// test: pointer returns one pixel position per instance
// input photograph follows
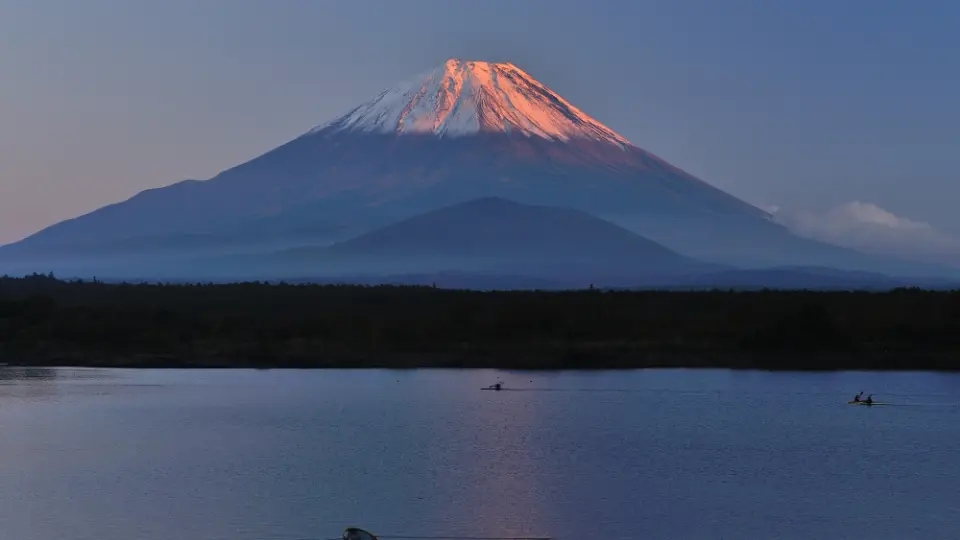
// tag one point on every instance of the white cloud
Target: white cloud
(868, 227)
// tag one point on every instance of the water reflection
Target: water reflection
(37, 383)
(25, 373)
(246, 455)
(28, 383)
(503, 459)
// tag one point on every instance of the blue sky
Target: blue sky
(806, 105)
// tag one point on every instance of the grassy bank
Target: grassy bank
(44, 321)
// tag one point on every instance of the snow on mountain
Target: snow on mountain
(465, 98)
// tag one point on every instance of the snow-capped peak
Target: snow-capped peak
(465, 98)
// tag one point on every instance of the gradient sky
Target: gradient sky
(805, 105)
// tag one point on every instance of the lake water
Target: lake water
(657, 454)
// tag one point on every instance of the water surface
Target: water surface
(91, 454)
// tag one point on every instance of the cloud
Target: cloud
(870, 228)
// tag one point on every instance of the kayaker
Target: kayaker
(856, 398)
(869, 399)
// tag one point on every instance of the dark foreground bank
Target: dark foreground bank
(44, 321)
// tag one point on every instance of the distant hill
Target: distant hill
(491, 243)
(490, 236)
(742, 280)
(496, 227)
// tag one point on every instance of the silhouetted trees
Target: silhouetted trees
(46, 321)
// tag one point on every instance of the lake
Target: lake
(89, 454)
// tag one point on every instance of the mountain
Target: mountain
(495, 234)
(496, 227)
(487, 236)
(461, 131)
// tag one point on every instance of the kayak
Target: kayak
(865, 403)
(488, 388)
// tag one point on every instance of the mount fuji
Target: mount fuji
(462, 131)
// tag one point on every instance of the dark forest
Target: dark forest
(46, 321)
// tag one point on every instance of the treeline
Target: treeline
(45, 321)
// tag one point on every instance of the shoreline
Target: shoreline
(945, 362)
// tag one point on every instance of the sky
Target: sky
(840, 115)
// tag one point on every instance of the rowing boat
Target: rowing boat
(353, 533)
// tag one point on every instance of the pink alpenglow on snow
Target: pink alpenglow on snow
(466, 98)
